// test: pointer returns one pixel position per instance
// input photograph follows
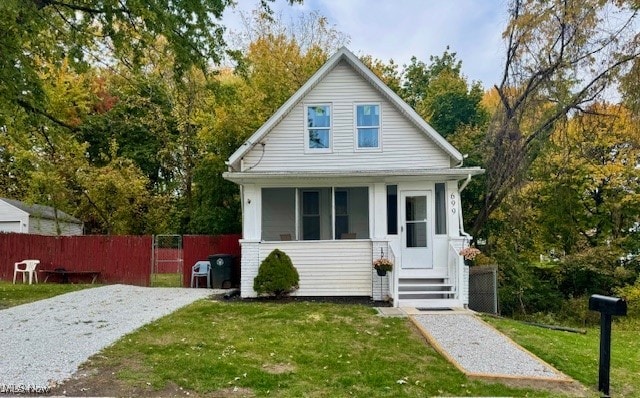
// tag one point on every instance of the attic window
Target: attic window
(368, 126)
(318, 127)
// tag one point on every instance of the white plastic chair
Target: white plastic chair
(199, 270)
(29, 268)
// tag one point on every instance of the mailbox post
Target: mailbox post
(607, 306)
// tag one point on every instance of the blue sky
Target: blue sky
(398, 29)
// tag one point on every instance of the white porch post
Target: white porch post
(251, 214)
(250, 261)
(378, 211)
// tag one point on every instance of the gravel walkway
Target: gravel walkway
(481, 350)
(44, 342)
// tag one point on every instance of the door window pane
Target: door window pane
(416, 221)
(417, 234)
(416, 207)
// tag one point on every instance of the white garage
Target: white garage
(21, 217)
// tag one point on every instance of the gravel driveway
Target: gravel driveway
(44, 342)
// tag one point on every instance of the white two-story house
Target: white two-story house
(346, 172)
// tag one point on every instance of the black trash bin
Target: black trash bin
(221, 271)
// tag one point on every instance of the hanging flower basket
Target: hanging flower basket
(382, 265)
(469, 254)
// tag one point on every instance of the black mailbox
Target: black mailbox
(607, 305)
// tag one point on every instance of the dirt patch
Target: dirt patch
(278, 368)
(102, 382)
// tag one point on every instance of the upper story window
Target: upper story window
(318, 127)
(368, 126)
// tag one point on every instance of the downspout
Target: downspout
(460, 221)
(463, 270)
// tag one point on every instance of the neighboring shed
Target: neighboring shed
(20, 217)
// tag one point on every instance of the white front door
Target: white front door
(416, 230)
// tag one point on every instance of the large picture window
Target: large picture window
(318, 127)
(321, 213)
(368, 126)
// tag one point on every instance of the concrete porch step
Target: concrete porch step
(425, 285)
(404, 294)
(430, 303)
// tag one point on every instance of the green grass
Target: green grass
(12, 295)
(577, 355)
(166, 280)
(289, 350)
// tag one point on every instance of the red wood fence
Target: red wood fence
(168, 260)
(119, 259)
(200, 247)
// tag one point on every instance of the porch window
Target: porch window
(278, 213)
(341, 203)
(311, 220)
(351, 213)
(315, 213)
(441, 209)
(318, 127)
(368, 126)
(392, 209)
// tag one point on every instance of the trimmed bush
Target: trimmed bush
(276, 276)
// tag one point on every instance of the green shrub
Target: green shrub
(526, 288)
(276, 276)
(631, 293)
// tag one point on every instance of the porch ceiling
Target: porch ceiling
(360, 175)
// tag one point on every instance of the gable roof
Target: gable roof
(41, 211)
(367, 74)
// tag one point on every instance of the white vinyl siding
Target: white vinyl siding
(405, 147)
(43, 226)
(328, 268)
(13, 219)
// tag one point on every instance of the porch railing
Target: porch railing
(382, 248)
(455, 265)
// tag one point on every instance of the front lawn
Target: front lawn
(278, 349)
(12, 295)
(577, 354)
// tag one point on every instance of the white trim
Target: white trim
(373, 175)
(343, 54)
(357, 148)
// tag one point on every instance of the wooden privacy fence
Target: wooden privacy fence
(200, 247)
(119, 259)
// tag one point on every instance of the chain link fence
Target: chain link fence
(483, 289)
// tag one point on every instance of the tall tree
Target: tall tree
(278, 59)
(561, 56)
